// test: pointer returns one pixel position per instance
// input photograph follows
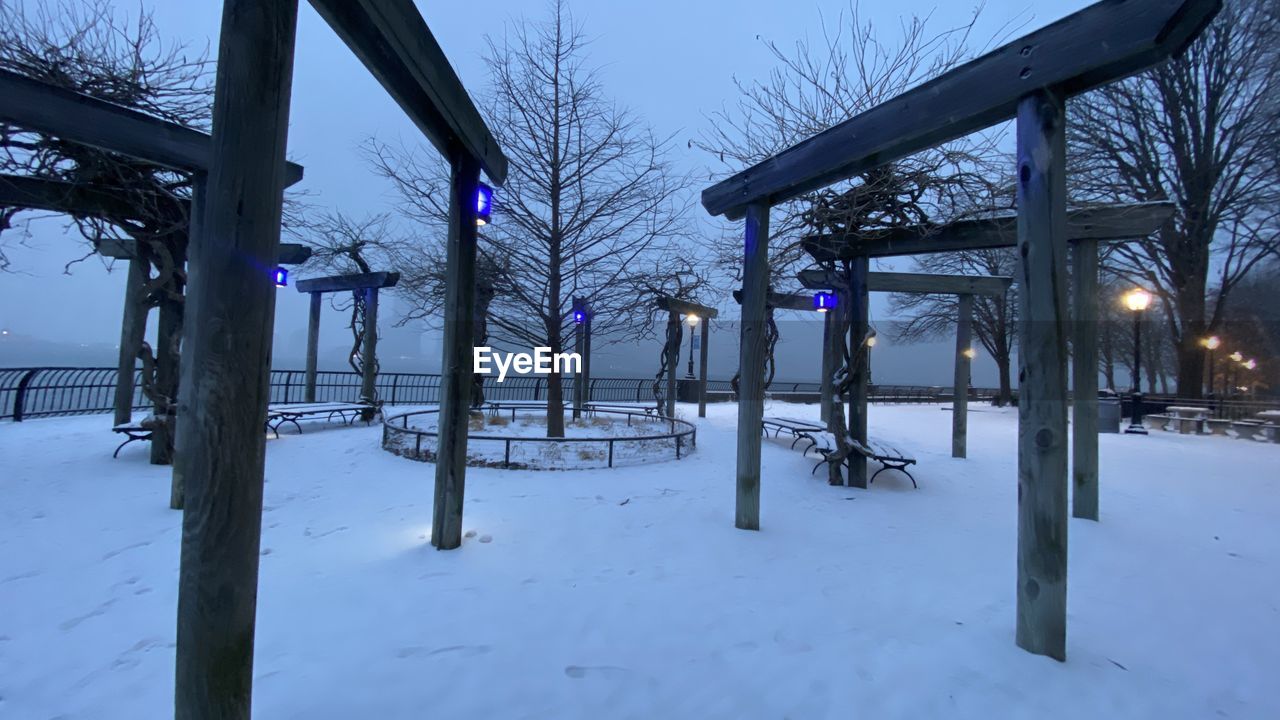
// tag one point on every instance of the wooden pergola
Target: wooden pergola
(239, 177)
(1029, 78)
(366, 284)
(675, 308)
(964, 287)
(1086, 227)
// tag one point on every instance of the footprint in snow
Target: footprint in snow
(463, 650)
(606, 671)
(125, 549)
(100, 610)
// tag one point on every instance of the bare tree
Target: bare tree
(995, 318)
(815, 86)
(343, 244)
(591, 203)
(1201, 130)
(91, 49)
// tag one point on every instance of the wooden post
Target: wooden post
(228, 338)
(456, 361)
(751, 352)
(859, 322)
(195, 230)
(133, 328)
(702, 367)
(673, 359)
(1084, 373)
(586, 362)
(960, 384)
(166, 380)
(313, 346)
(369, 348)
(828, 366)
(1042, 376)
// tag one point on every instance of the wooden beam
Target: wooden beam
(938, 284)
(859, 323)
(783, 301)
(1084, 380)
(672, 360)
(1104, 42)
(79, 118)
(751, 357)
(347, 283)
(1042, 376)
(313, 346)
(227, 341)
(684, 307)
(702, 367)
(1102, 222)
(19, 191)
(960, 382)
(394, 43)
(125, 248)
(456, 357)
(133, 330)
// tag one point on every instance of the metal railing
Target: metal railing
(52, 391)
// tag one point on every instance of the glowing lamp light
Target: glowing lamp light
(1251, 364)
(1137, 299)
(484, 204)
(579, 316)
(1236, 356)
(281, 277)
(824, 301)
(1213, 342)
(970, 353)
(871, 341)
(692, 319)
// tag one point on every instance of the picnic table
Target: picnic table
(1187, 419)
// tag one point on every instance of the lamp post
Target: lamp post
(1137, 301)
(693, 323)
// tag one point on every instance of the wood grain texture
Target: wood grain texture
(369, 348)
(672, 348)
(784, 301)
(227, 337)
(456, 356)
(1103, 42)
(960, 383)
(86, 120)
(751, 359)
(394, 43)
(1084, 380)
(1042, 376)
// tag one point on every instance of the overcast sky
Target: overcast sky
(671, 61)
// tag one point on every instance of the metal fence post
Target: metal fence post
(20, 397)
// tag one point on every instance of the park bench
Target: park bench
(134, 431)
(1158, 421)
(278, 415)
(646, 409)
(797, 429)
(889, 457)
(1187, 420)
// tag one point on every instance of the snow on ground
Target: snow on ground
(629, 594)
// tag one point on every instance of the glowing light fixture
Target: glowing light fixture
(692, 319)
(871, 341)
(1137, 299)
(579, 316)
(1213, 342)
(970, 353)
(1250, 364)
(1236, 356)
(281, 277)
(484, 204)
(824, 301)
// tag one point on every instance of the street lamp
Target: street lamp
(1137, 300)
(693, 323)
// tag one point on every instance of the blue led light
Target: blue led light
(579, 316)
(824, 301)
(484, 204)
(281, 277)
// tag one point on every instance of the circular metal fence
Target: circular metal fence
(668, 435)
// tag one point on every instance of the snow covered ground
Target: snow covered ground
(629, 594)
